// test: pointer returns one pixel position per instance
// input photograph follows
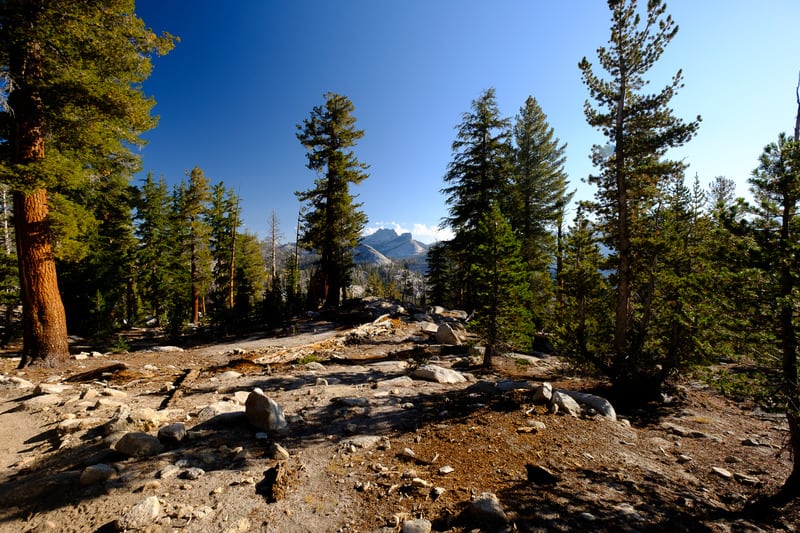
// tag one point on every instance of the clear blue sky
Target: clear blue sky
(246, 72)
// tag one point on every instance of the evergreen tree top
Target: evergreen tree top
(85, 66)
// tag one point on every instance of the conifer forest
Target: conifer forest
(657, 278)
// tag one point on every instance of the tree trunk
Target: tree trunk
(788, 334)
(44, 322)
(623, 238)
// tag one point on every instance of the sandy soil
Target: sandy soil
(650, 470)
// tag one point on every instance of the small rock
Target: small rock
(751, 441)
(352, 401)
(420, 483)
(437, 492)
(243, 525)
(150, 368)
(229, 375)
(141, 515)
(168, 471)
(172, 434)
(51, 388)
(38, 403)
(746, 480)
(278, 452)
(438, 374)
(565, 404)
(362, 441)
(104, 403)
(420, 525)
(145, 419)
(630, 512)
(240, 397)
(721, 472)
(96, 474)
(447, 335)
(167, 349)
(113, 393)
(137, 444)
(72, 425)
(193, 473)
(486, 509)
(19, 383)
(409, 453)
(321, 382)
(447, 469)
(396, 383)
(217, 408)
(264, 413)
(428, 328)
(543, 393)
(683, 458)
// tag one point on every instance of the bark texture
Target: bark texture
(44, 323)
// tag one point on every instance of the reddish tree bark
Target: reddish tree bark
(44, 323)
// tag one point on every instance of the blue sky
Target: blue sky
(246, 72)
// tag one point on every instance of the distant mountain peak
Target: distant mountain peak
(394, 246)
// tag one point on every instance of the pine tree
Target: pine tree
(776, 186)
(222, 220)
(539, 197)
(441, 275)
(478, 179)
(333, 223)
(250, 280)
(640, 128)
(584, 314)
(192, 199)
(538, 182)
(97, 277)
(73, 103)
(501, 285)
(156, 249)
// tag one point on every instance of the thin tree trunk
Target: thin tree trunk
(194, 273)
(623, 236)
(6, 233)
(44, 322)
(232, 272)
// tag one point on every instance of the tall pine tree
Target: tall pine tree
(73, 103)
(641, 128)
(538, 199)
(501, 286)
(477, 179)
(333, 223)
